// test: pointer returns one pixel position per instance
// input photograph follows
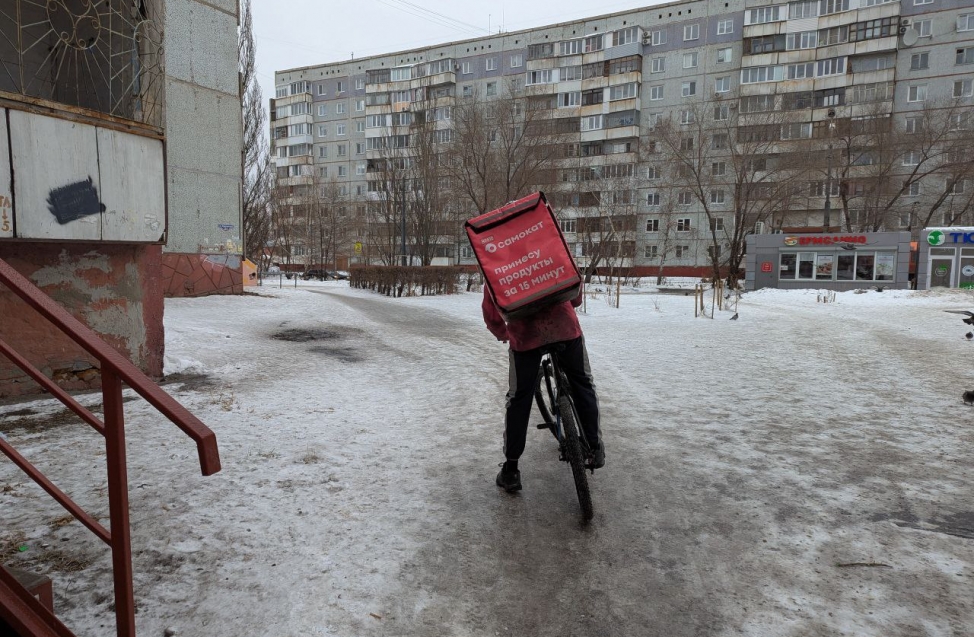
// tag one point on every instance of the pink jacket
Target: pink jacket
(552, 324)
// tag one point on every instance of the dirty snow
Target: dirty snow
(802, 471)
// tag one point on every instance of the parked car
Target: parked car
(318, 275)
(338, 275)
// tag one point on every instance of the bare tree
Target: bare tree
(501, 149)
(891, 174)
(255, 158)
(730, 163)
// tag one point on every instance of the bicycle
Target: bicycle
(555, 403)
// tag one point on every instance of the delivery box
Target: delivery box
(524, 257)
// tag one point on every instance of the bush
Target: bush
(393, 280)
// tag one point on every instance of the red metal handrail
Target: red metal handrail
(115, 369)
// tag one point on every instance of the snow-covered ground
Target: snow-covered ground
(804, 470)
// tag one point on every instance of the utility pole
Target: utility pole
(828, 176)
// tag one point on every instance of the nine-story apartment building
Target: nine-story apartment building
(663, 136)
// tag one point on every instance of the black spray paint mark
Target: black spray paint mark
(74, 201)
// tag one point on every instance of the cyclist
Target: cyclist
(527, 336)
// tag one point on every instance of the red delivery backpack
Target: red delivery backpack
(523, 256)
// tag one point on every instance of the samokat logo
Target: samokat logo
(490, 247)
(936, 237)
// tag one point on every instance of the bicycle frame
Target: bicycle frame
(551, 370)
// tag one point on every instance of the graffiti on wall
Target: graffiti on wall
(6, 215)
(74, 201)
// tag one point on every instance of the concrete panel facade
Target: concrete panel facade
(203, 130)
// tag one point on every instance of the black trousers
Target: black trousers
(520, 395)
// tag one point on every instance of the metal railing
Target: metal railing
(115, 369)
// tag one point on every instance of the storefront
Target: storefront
(833, 261)
(946, 258)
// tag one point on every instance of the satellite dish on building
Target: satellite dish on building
(910, 37)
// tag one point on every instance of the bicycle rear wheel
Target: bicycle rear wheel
(572, 448)
(544, 395)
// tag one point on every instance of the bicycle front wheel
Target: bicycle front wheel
(572, 448)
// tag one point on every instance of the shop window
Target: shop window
(788, 265)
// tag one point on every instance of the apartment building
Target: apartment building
(641, 106)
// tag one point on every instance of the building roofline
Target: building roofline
(483, 37)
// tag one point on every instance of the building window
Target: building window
(517, 60)
(911, 158)
(763, 14)
(592, 122)
(467, 90)
(568, 225)
(341, 150)
(658, 38)
(491, 89)
(687, 117)
(466, 68)
(681, 252)
(688, 89)
(918, 2)
(686, 143)
(913, 124)
(718, 169)
(651, 252)
(965, 56)
(717, 224)
(963, 88)
(490, 64)
(721, 112)
(684, 198)
(542, 76)
(322, 110)
(725, 26)
(713, 251)
(725, 55)
(659, 65)
(360, 84)
(622, 91)
(920, 61)
(923, 28)
(652, 225)
(323, 152)
(913, 189)
(359, 148)
(917, 93)
(656, 92)
(652, 172)
(322, 130)
(340, 129)
(342, 171)
(691, 32)
(359, 105)
(722, 84)
(653, 199)
(833, 6)
(690, 60)
(341, 86)
(717, 196)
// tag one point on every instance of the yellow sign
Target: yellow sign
(358, 247)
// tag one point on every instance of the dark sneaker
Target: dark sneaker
(596, 459)
(510, 481)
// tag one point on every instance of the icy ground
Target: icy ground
(803, 471)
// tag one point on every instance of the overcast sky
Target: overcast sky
(306, 32)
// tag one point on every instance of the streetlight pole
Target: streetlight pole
(827, 221)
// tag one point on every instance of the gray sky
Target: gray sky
(296, 33)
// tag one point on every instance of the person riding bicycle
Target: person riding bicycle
(528, 336)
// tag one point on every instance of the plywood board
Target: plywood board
(6, 192)
(133, 187)
(56, 186)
